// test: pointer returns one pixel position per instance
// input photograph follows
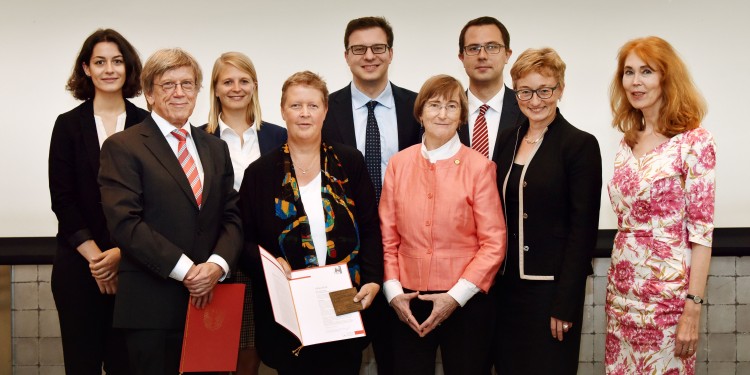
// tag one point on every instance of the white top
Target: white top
(464, 289)
(242, 153)
(492, 116)
(312, 200)
(102, 133)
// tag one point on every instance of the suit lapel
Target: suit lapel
(209, 172)
(89, 135)
(345, 117)
(156, 143)
(510, 117)
(404, 116)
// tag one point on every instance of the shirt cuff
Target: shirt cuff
(181, 269)
(391, 289)
(217, 259)
(463, 291)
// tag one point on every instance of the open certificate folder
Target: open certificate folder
(302, 304)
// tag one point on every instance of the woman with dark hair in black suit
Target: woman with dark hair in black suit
(84, 272)
(235, 118)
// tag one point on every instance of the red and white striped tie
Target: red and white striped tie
(480, 139)
(188, 165)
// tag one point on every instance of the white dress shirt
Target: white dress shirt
(492, 116)
(183, 265)
(464, 289)
(385, 114)
(242, 153)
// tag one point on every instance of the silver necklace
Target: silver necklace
(304, 170)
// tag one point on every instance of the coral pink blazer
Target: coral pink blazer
(441, 221)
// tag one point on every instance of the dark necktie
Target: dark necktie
(372, 148)
(480, 139)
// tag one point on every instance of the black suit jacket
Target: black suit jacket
(270, 137)
(153, 217)
(260, 186)
(74, 191)
(339, 122)
(509, 118)
(561, 198)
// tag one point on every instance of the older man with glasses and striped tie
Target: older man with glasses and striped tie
(167, 192)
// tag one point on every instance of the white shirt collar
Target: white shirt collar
(385, 98)
(496, 102)
(224, 127)
(446, 151)
(167, 128)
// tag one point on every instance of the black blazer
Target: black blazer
(74, 191)
(561, 192)
(260, 187)
(338, 126)
(153, 217)
(270, 136)
(509, 118)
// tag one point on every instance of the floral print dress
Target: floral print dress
(664, 201)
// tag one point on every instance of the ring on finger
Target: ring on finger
(565, 326)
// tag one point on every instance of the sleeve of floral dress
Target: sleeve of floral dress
(699, 165)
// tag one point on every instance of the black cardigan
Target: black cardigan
(260, 186)
(559, 210)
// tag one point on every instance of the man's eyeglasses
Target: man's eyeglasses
(168, 87)
(490, 48)
(375, 48)
(542, 93)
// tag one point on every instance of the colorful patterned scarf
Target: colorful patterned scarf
(342, 232)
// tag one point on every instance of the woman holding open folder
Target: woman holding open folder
(310, 204)
(443, 240)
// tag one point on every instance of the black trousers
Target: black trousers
(380, 320)
(89, 342)
(338, 358)
(464, 340)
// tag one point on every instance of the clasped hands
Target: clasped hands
(103, 268)
(443, 305)
(200, 281)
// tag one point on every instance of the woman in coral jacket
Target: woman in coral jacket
(443, 240)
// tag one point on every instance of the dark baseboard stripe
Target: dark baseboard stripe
(41, 250)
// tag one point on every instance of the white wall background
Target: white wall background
(39, 41)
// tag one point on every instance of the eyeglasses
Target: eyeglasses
(375, 48)
(435, 107)
(168, 87)
(490, 48)
(542, 93)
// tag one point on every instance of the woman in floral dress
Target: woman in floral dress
(663, 194)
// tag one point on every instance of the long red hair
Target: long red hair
(683, 107)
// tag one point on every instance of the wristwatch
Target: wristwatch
(695, 299)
